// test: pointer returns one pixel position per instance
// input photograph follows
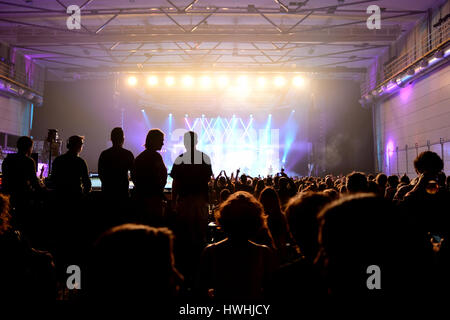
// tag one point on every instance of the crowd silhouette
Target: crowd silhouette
(212, 239)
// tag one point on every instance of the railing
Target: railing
(430, 42)
(401, 160)
(9, 72)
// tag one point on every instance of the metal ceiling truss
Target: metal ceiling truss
(283, 38)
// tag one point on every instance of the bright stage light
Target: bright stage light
(223, 81)
(242, 81)
(132, 81)
(261, 82)
(279, 81)
(298, 81)
(152, 80)
(170, 81)
(188, 81)
(205, 82)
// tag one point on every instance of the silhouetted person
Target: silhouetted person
(114, 165)
(134, 264)
(276, 221)
(70, 175)
(357, 182)
(236, 268)
(360, 231)
(426, 203)
(391, 189)
(149, 178)
(191, 173)
(70, 179)
(19, 175)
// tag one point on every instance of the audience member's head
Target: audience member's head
(428, 162)
(75, 144)
(393, 181)
(134, 262)
(154, 140)
(24, 145)
(241, 216)
(301, 212)
(405, 179)
(355, 233)
(224, 195)
(381, 180)
(356, 182)
(270, 201)
(117, 136)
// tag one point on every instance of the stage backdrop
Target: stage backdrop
(258, 133)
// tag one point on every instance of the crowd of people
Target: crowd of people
(216, 238)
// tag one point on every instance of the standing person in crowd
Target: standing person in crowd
(391, 189)
(236, 268)
(71, 182)
(19, 178)
(149, 178)
(425, 203)
(276, 221)
(191, 173)
(70, 175)
(113, 167)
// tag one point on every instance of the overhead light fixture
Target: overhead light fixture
(279, 81)
(411, 72)
(187, 81)
(132, 81)
(261, 82)
(152, 80)
(298, 81)
(170, 81)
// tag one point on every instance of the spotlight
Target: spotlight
(222, 81)
(152, 81)
(423, 63)
(251, 116)
(188, 81)
(293, 111)
(242, 81)
(411, 72)
(205, 82)
(298, 81)
(203, 115)
(132, 81)
(170, 114)
(279, 81)
(170, 81)
(261, 82)
(186, 115)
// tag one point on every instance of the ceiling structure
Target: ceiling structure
(323, 36)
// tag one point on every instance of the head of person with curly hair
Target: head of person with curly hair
(241, 216)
